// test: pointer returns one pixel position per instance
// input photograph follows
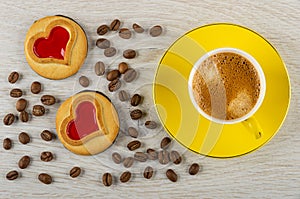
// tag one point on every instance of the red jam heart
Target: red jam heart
(54, 45)
(85, 121)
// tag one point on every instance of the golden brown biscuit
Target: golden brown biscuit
(87, 123)
(55, 47)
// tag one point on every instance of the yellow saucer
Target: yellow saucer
(177, 113)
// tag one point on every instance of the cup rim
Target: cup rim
(261, 77)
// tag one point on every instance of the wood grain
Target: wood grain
(271, 172)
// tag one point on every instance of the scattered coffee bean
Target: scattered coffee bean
(125, 33)
(115, 24)
(136, 114)
(99, 68)
(128, 162)
(21, 104)
(16, 92)
(38, 110)
(24, 138)
(148, 172)
(130, 75)
(103, 43)
(24, 162)
(123, 67)
(155, 31)
(7, 143)
(150, 124)
(36, 87)
(109, 52)
(165, 143)
(48, 100)
(75, 172)
(12, 175)
(194, 169)
(24, 116)
(13, 77)
(133, 145)
(129, 54)
(112, 75)
(84, 81)
(9, 119)
(125, 177)
(135, 100)
(163, 157)
(114, 85)
(107, 179)
(133, 132)
(117, 158)
(140, 156)
(46, 156)
(152, 154)
(102, 30)
(45, 178)
(175, 157)
(47, 135)
(137, 28)
(123, 96)
(171, 175)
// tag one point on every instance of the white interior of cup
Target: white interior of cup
(261, 77)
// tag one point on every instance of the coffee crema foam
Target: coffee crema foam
(226, 86)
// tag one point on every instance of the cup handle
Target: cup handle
(252, 125)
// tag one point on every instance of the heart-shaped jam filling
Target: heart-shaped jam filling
(85, 121)
(53, 46)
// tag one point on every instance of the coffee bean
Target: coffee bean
(103, 43)
(107, 179)
(84, 81)
(12, 175)
(125, 177)
(128, 162)
(135, 100)
(130, 75)
(7, 143)
(152, 154)
(136, 114)
(123, 67)
(150, 124)
(112, 75)
(102, 30)
(123, 96)
(163, 157)
(114, 85)
(137, 28)
(21, 104)
(24, 138)
(129, 54)
(47, 135)
(148, 172)
(24, 162)
(125, 33)
(133, 145)
(46, 156)
(194, 169)
(165, 142)
(45, 178)
(99, 68)
(38, 110)
(16, 92)
(13, 77)
(140, 156)
(36, 87)
(171, 175)
(9, 119)
(48, 100)
(133, 132)
(175, 157)
(115, 24)
(24, 116)
(109, 52)
(155, 31)
(75, 172)
(117, 158)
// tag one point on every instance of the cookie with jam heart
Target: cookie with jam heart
(87, 123)
(55, 47)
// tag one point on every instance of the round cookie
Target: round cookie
(55, 47)
(87, 123)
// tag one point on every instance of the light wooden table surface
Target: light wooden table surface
(273, 171)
